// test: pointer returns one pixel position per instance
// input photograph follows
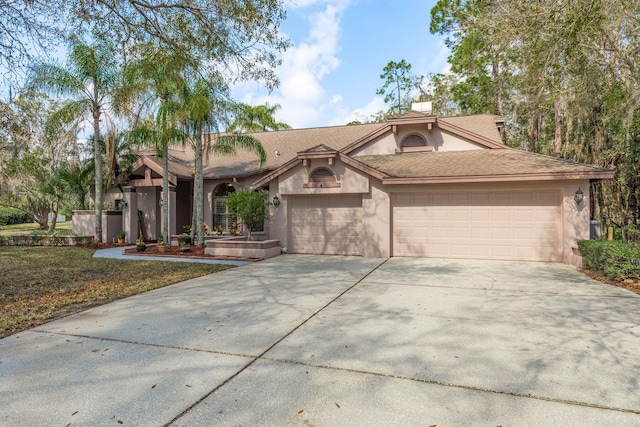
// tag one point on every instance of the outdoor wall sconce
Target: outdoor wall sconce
(276, 201)
(579, 196)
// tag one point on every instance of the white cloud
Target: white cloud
(440, 62)
(361, 114)
(304, 65)
(335, 100)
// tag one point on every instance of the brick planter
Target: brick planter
(239, 247)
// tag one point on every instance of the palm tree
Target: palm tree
(158, 76)
(88, 79)
(258, 118)
(203, 104)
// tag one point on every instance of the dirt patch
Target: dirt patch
(632, 285)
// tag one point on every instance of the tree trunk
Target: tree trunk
(498, 88)
(54, 217)
(533, 136)
(198, 197)
(165, 193)
(97, 154)
(557, 146)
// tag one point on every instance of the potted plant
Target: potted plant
(185, 247)
(141, 246)
(120, 236)
(162, 247)
(184, 239)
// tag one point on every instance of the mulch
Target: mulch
(629, 284)
(174, 252)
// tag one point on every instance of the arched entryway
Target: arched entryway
(221, 216)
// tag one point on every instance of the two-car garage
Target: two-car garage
(506, 225)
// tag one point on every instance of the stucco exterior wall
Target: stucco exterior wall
(351, 180)
(385, 144)
(376, 218)
(149, 204)
(576, 219)
(278, 216)
(436, 138)
(83, 224)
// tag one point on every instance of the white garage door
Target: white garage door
(484, 225)
(325, 224)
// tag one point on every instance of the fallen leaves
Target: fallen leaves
(43, 283)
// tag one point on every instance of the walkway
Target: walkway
(117, 254)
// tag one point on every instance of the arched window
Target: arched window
(413, 141)
(322, 178)
(221, 216)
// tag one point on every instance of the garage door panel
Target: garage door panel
(323, 224)
(495, 225)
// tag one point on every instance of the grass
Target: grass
(39, 284)
(15, 229)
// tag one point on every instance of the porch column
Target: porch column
(130, 214)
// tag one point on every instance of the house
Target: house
(418, 185)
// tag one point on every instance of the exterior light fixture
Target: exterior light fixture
(579, 196)
(276, 201)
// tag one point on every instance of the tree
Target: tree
(88, 79)
(35, 187)
(242, 37)
(482, 67)
(398, 87)
(251, 207)
(258, 118)
(563, 73)
(25, 25)
(40, 149)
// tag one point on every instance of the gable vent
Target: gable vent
(322, 178)
(322, 175)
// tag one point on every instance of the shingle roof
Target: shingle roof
(473, 163)
(286, 142)
(480, 124)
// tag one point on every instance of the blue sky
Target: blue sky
(339, 47)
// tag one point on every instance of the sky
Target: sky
(330, 74)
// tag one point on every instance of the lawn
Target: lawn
(15, 229)
(38, 284)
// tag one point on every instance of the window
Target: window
(322, 178)
(221, 216)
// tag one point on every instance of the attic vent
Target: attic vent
(322, 175)
(322, 178)
(414, 141)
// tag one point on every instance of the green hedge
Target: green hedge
(614, 259)
(9, 216)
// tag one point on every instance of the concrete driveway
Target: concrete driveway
(334, 341)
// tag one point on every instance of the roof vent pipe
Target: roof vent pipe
(422, 107)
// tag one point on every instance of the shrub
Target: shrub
(9, 216)
(251, 207)
(615, 259)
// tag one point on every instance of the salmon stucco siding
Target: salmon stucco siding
(417, 185)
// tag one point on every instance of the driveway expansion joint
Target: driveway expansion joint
(456, 386)
(261, 355)
(172, 347)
